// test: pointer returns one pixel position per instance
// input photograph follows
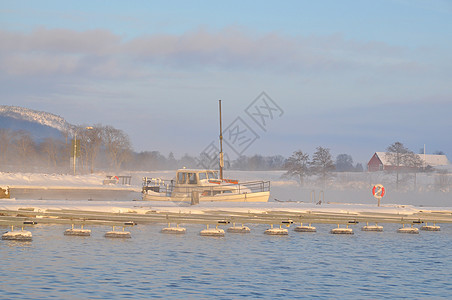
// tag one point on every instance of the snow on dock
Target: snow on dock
(259, 213)
(129, 213)
(112, 206)
(62, 199)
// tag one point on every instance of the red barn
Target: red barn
(375, 163)
(378, 162)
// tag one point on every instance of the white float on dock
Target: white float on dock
(433, 227)
(77, 232)
(173, 230)
(276, 231)
(212, 231)
(340, 230)
(238, 229)
(375, 227)
(411, 230)
(302, 228)
(118, 234)
(22, 235)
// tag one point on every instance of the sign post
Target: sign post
(378, 191)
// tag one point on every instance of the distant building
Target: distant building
(379, 162)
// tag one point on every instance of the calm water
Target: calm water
(154, 265)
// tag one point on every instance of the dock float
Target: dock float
(409, 230)
(77, 231)
(433, 227)
(218, 232)
(303, 228)
(276, 231)
(174, 230)
(222, 216)
(118, 234)
(22, 235)
(238, 229)
(341, 230)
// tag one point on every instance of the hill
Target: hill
(38, 123)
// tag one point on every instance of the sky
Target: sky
(353, 76)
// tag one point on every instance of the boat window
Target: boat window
(181, 177)
(192, 178)
(213, 175)
(202, 176)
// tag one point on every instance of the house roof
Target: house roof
(429, 159)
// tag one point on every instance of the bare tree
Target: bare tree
(54, 150)
(400, 158)
(415, 163)
(25, 148)
(117, 145)
(297, 166)
(6, 139)
(91, 142)
(322, 163)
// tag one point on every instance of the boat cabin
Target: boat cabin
(185, 177)
(204, 185)
(206, 182)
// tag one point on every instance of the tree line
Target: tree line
(299, 165)
(99, 147)
(102, 148)
(399, 158)
(107, 148)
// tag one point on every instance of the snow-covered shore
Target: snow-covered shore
(50, 180)
(287, 197)
(356, 188)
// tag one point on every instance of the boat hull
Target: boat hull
(249, 197)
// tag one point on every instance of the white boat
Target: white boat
(194, 186)
(205, 186)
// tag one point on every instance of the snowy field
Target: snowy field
(427, 189)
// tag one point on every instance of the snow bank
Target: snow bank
(50, 180)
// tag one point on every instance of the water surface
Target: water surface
(155, 265)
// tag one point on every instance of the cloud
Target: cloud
(56, 41)
(100, 53)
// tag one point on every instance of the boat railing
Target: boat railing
(167, 187)
(158, 185)
(224, 188)
(253, 186)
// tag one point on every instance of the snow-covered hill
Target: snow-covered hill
(34, 116)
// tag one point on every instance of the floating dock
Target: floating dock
(273, 215)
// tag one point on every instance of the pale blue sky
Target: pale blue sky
(354, 76)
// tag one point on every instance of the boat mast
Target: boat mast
(221, 146)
